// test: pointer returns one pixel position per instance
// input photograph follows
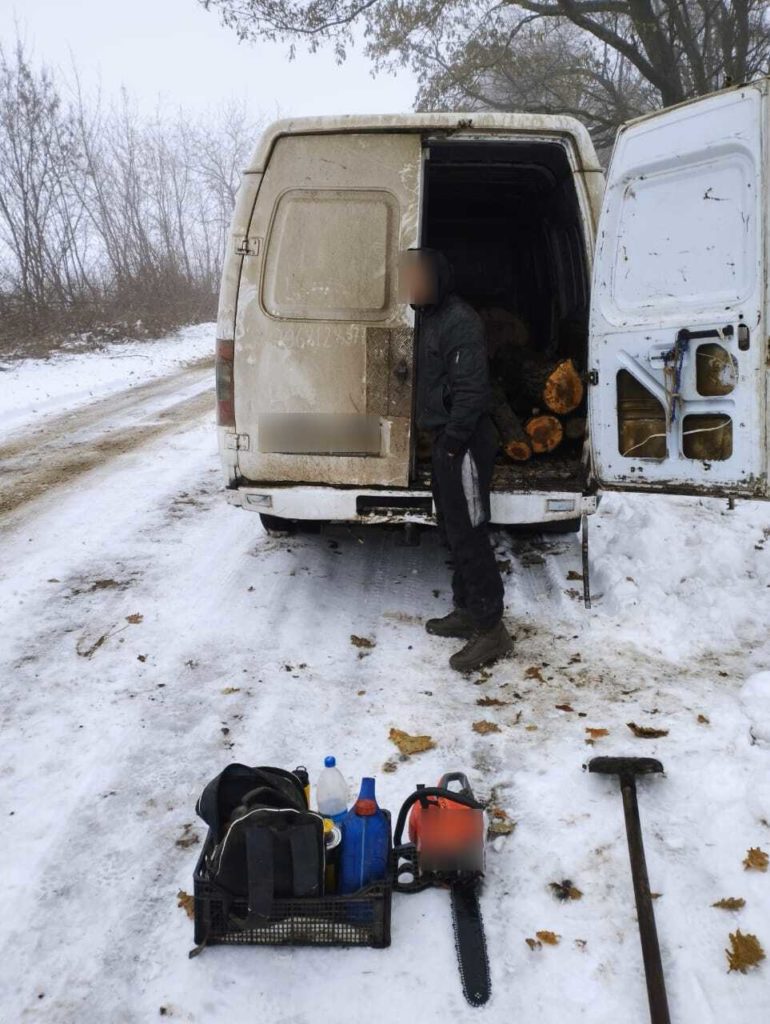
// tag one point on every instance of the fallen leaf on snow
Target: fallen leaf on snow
(135, 618)
(646, 732)
(534, 944)
(533, 672)
(564, 707)
(186, 902)
(730, 903)
(361, 641)
(484, 727)
(231, 689)
(549, 938)
(411, 744)
(755, 860)
(499, 822)
(565, 890)
(574, 575)
(746, 951)
(703, 720)
(596, 734)
(492, 702)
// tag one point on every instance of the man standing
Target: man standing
(453, 398)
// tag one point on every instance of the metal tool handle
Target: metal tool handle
(653, 967)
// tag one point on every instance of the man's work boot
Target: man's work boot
(483, 647)
(457, 624)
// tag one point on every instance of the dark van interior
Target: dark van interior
(506, 214)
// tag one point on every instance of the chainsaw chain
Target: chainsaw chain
(470, 943)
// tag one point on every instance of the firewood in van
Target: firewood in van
(545, 433)
(504, 330)
(557, 385)
(513, 438)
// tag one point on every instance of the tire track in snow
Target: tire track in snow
(66, 446)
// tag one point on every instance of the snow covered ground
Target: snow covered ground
(150, 634)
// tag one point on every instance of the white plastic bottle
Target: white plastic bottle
(331, 791)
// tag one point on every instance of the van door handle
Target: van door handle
(401, 371)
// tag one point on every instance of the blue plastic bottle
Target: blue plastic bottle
(365, 842)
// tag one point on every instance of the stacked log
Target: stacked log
(545, 433)
(542, 412)
(514, 440)
(557, 385)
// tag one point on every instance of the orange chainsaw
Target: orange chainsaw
(446, 848)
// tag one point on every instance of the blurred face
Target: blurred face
(416, 279)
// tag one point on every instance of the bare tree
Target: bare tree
(106, 215)
(39, 215)
(603, 60)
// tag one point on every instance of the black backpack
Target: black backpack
(264, 843)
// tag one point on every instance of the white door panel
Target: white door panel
(677, 337)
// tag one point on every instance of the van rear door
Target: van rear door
(678, 341)
(323, 346)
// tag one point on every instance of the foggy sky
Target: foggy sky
(176, 50)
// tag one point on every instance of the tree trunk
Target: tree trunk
(545, 433)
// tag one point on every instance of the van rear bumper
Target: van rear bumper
(351, 505)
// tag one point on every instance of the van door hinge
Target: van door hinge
(240, 442)
(247, 245)
(592, 377)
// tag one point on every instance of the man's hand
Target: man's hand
(452, 446)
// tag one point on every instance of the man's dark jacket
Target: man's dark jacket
(453, 373)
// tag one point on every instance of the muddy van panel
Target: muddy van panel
(322, 344)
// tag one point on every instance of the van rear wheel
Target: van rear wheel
(274, 526)
(553, 526)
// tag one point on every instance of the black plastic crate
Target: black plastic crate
(360, 919)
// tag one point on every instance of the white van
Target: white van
(657, 286)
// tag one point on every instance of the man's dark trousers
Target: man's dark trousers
(460, 485)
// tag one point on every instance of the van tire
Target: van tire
(561, 526)
(555, 526)
(274, 526)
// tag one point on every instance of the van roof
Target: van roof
(472, 121)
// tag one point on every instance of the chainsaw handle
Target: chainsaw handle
(435, 791)
(461, 777)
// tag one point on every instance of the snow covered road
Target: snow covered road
(150, 634)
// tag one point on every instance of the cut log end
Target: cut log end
(518, 451)
(563, 388)
(545, 433)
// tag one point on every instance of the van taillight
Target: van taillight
(224, 377)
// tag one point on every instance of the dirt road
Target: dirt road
(59, 448)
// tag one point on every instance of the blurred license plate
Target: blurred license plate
(319, 434)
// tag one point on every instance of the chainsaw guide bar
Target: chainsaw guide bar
(470, 943)
(446, 850)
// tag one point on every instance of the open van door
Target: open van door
(678, 338)
(323, 345)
